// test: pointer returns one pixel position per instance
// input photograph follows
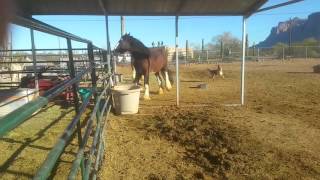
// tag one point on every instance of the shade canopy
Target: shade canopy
(139, 7)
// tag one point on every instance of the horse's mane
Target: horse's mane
(137, 45)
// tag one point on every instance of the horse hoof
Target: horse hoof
(160, 91)
(146, 98)
(168, 88)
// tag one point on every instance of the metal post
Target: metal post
(74, 87)
(221, 50)
(177, 62)
(283, 53)
(93, 71)
(258, 54)
(34, 60)
(108, 44)
(202, 49)
(207, 57)
(306, 53)
(11, 57)
(187, 47)
(243, 58)
(123, 29)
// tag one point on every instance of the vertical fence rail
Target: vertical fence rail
(74, 86)
(34, 60)
(93, 71)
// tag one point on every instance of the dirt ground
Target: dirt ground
(274, 136)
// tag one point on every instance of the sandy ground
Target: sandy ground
(274, 136)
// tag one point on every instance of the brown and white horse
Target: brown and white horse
(146, 60)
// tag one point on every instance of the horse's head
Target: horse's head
(124, 44)
(130, 44)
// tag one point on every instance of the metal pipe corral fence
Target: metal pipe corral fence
(89, 63)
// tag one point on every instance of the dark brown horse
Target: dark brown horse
(145, 61)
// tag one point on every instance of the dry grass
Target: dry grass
(24, 149)
(275, 136)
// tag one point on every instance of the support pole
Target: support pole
(187, 49)
(221, 50)
(207, 57)
(34, 61)
(177, 63)
(282, 53)
(306, 53)
(123, 27)
(108, 44)
(202, 50)
(93, 71)
(243, 58)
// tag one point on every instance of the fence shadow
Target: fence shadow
(28, 143)
(301, 73)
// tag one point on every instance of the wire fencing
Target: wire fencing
(190, 56)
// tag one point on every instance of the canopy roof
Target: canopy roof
(139, 7)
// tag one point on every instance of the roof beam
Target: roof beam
(43, 27)
(180, 6)
(255, 6)
(104, 6)
(278, 5)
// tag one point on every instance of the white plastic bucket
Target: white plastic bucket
(11, 100)
(126, 98)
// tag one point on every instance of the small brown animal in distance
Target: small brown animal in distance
(216, 72)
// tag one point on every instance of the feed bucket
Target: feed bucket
(126, 98)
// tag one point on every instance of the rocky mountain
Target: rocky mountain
(300, 29)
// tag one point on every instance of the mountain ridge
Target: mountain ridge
(301, 29)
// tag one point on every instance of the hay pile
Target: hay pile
(316, 68)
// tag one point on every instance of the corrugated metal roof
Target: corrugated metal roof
(139, 7)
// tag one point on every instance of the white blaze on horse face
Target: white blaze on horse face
(146, 92)
(168, 84)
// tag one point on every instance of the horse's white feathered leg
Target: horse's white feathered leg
(168, 84)
(146, 92)
(159, 83)
(133, 73)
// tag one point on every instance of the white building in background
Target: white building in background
(182, 52)
(124, 58)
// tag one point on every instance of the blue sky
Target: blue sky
(157, 28)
